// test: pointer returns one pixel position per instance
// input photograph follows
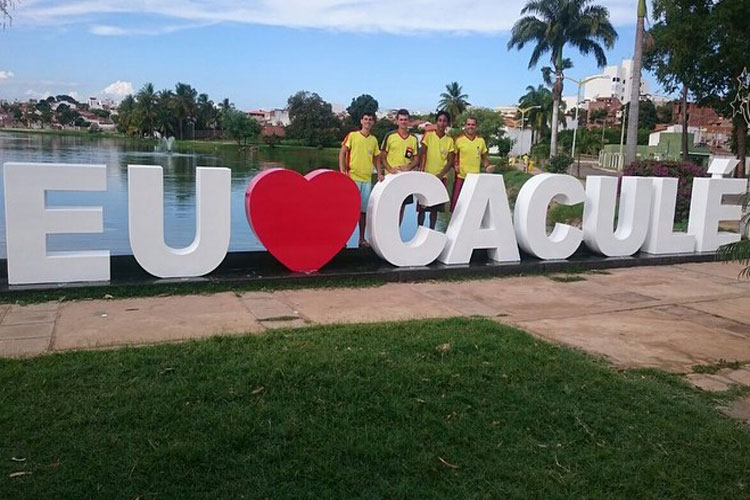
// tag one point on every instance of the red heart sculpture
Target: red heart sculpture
(302, 221)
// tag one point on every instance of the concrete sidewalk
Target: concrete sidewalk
(666, 317)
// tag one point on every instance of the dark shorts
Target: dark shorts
(435, 208)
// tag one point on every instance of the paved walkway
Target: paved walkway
(667, 317)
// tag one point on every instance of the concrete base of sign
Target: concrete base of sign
(261, 268)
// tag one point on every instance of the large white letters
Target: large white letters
(481, 219)
(146, 222)
(530, 216)
(661, 238)
(383, 218)
(28, 221)
(706, 208)
(599, 214)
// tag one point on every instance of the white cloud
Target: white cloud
(118, 89)
(33, 94)
(109, 30)
(4, 75)
(391, 16)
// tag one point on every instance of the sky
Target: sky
(259, 52)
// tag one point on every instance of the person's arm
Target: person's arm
(449, 163)
(342, 159)
(488, 167)
(377, 161)
(422, 157)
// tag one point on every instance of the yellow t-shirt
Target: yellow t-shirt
(469, 155)
(400, 150)
(438, 149)
(362, 151)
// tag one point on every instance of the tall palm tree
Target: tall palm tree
(126, 114)
(146, 107)
(185, 105)
(635, 88)
(165, 122)
(553, 24)
(453, 100)
(540, 99)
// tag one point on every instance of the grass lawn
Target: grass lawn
(431, 409)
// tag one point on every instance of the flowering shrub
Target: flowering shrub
(683, 171)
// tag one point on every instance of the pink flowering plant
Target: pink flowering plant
(684, 172)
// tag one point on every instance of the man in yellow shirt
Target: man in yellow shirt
(471, 153)
(401, 151)
(437, 155)
(356, 159)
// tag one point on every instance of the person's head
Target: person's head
(367, 121)
(471, 125)
(443, 120)
(402, 119)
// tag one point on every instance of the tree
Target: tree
(206, 111)
(664, 113)
(490, 125)
(126, 115)
(185, 108)
(540, 99)
(65, 115)
(680, 35)
(240, 127)
(553, 24)
(45, 112)
(635, 87)
(359, 106)
(146, 109)
(312, 120)
(453, 100)
(722, 68)
(647, 116)
(5, 7)
(165, 121)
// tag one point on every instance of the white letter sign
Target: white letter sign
(383, 218)
(481, 219)
(599, 215)
(28, 221)
(212, 226)
(661, 238)
(530, 216)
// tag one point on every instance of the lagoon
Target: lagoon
(179, 184)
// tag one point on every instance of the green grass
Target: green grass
(718, 366)
(376, 411)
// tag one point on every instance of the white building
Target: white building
(617, 83)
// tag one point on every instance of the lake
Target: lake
(179, 184)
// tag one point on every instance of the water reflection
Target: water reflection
(179, 185)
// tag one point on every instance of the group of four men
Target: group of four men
(400, 151)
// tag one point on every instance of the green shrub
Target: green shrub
(559, 164)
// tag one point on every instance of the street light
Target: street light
(523, 112)
(580, 84)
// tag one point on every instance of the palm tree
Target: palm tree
(146, 107)
(553, 24)
(5, 7)
(126, 115)
(185, 107)
(165, 122)
(540, 99)
(635, 88)
(453, 100)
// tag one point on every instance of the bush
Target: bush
(559, 164)
(683, 171)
